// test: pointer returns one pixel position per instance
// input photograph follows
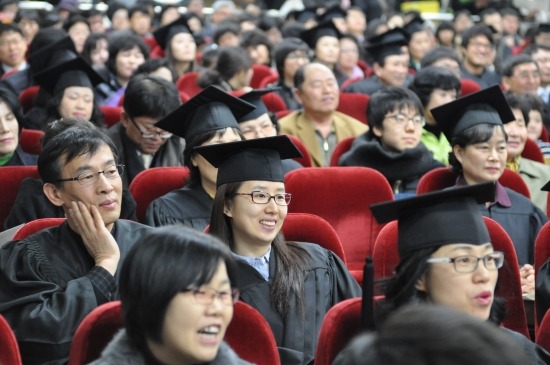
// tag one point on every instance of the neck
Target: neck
(248, 250)
(321, 120)
(288, 81)
(182, 67)
(122, 81)
(209, 187)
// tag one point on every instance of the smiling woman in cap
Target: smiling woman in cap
(443, 263)
(474, 126)
(292, 284)
(178, 43)
(208, 118)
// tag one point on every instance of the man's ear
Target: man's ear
(421, 284)
(377, 131)
(124, 118)
(53, 194)
(297, 95)
(376, 69)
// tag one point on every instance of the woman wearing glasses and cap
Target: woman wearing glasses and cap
(177, 301)
(473, 125)
(443, 263)
(293, 284)
(208, 118)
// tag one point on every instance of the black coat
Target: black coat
(46, 288)
(190, 206)
(327, 282)
(22, 158)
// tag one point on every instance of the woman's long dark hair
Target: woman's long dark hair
(291, 259)
(401, 290)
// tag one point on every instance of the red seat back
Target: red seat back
(153, 183)
(386, 258)
(268, 80)
(95, 331)
(341, 323)
(251, 337)
(111, 114)
(30, 141)
(544, 134)
(260, 72)
(304, 227)
(342, 196)
(8, 343)
(354, 105)
(11, 177)
(532, 151)
(28, 97)
(543, 332)
(442, 177)
(274, 102)
(36, 225)
(468, 87)
(188, 84)
(305, 160)
(342, 147)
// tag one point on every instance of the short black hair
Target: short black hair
(387, 100)
(514, 61)
(11, 27)
(477, 30)
(153, 64)
(125, 41)
(69, 144)
(150, 96)
(438, 53)
(427, 79)
(75, 19)
(153, 274)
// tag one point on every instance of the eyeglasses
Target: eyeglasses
(401, 119)
(469, 263)
(89, 178)
(527, 75)
(259, 197)
(481, 45)
(206, 296)
(297, 56)
(148, 134)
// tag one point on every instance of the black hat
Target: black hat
(439, 218)
(304, 15)
(76, 72)
(52, 54)
(254, 97)
(543, 28)
(387, 44)
(332, 12)
(253, 159)
(311, 36)
(164, 34)
(546, 187)
(209, 110)
(415, 25)
(487, 106)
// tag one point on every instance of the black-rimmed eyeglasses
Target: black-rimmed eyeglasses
(259, 197)
(469, 263)
(148, 134)
(89, 178)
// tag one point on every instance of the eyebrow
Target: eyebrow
(471, 247)
(262, 187)
(88, 167)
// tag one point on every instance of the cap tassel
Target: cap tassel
(367, 303)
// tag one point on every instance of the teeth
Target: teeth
(268, 223)
(210, 330)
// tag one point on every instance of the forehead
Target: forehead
(479, 38)
(464, 248)
(525, 65)
(10, 34)
(318, 72)
(100, 157)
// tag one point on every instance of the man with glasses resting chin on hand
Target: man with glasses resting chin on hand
(140, 144)
(51, 280)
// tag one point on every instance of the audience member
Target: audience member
(232, 71)
(520, 74)
(318, 125)
(478, 47)
(289, 55)
(96, 50)
(78, 29)
(292, 284)
(420, 41)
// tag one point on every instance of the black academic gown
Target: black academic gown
(47, 288)
(327, 282)
(31, 203)
(190, 206)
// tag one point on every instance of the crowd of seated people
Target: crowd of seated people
(215, 93)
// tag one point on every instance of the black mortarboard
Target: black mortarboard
(164, 34)
(387, 44)
(253, 159)
(254, 97)
(311, 36)
(439, 218)
(302, 16)
(209, 110)
(487, 106)
(546, 187)
(52, 54)
(415, 25)
(332, 12)
(76, 72)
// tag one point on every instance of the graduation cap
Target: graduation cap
(311, 36)
(303, 16)
(439, 218)
(546, 187)
(487, 106)
(253, 159)
(164, 34)
(76, 72)
(254, 97)
(332, 12)
(52, 54)
(415, 25)
(209, 110)
(387, 44)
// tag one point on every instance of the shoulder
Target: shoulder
(120, 351)
(290, 120)
(318, 255)
(226, 356)
(340, 117)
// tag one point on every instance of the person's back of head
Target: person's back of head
(427, 79)
(150, 96)
(230, 61)
(435, 335)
